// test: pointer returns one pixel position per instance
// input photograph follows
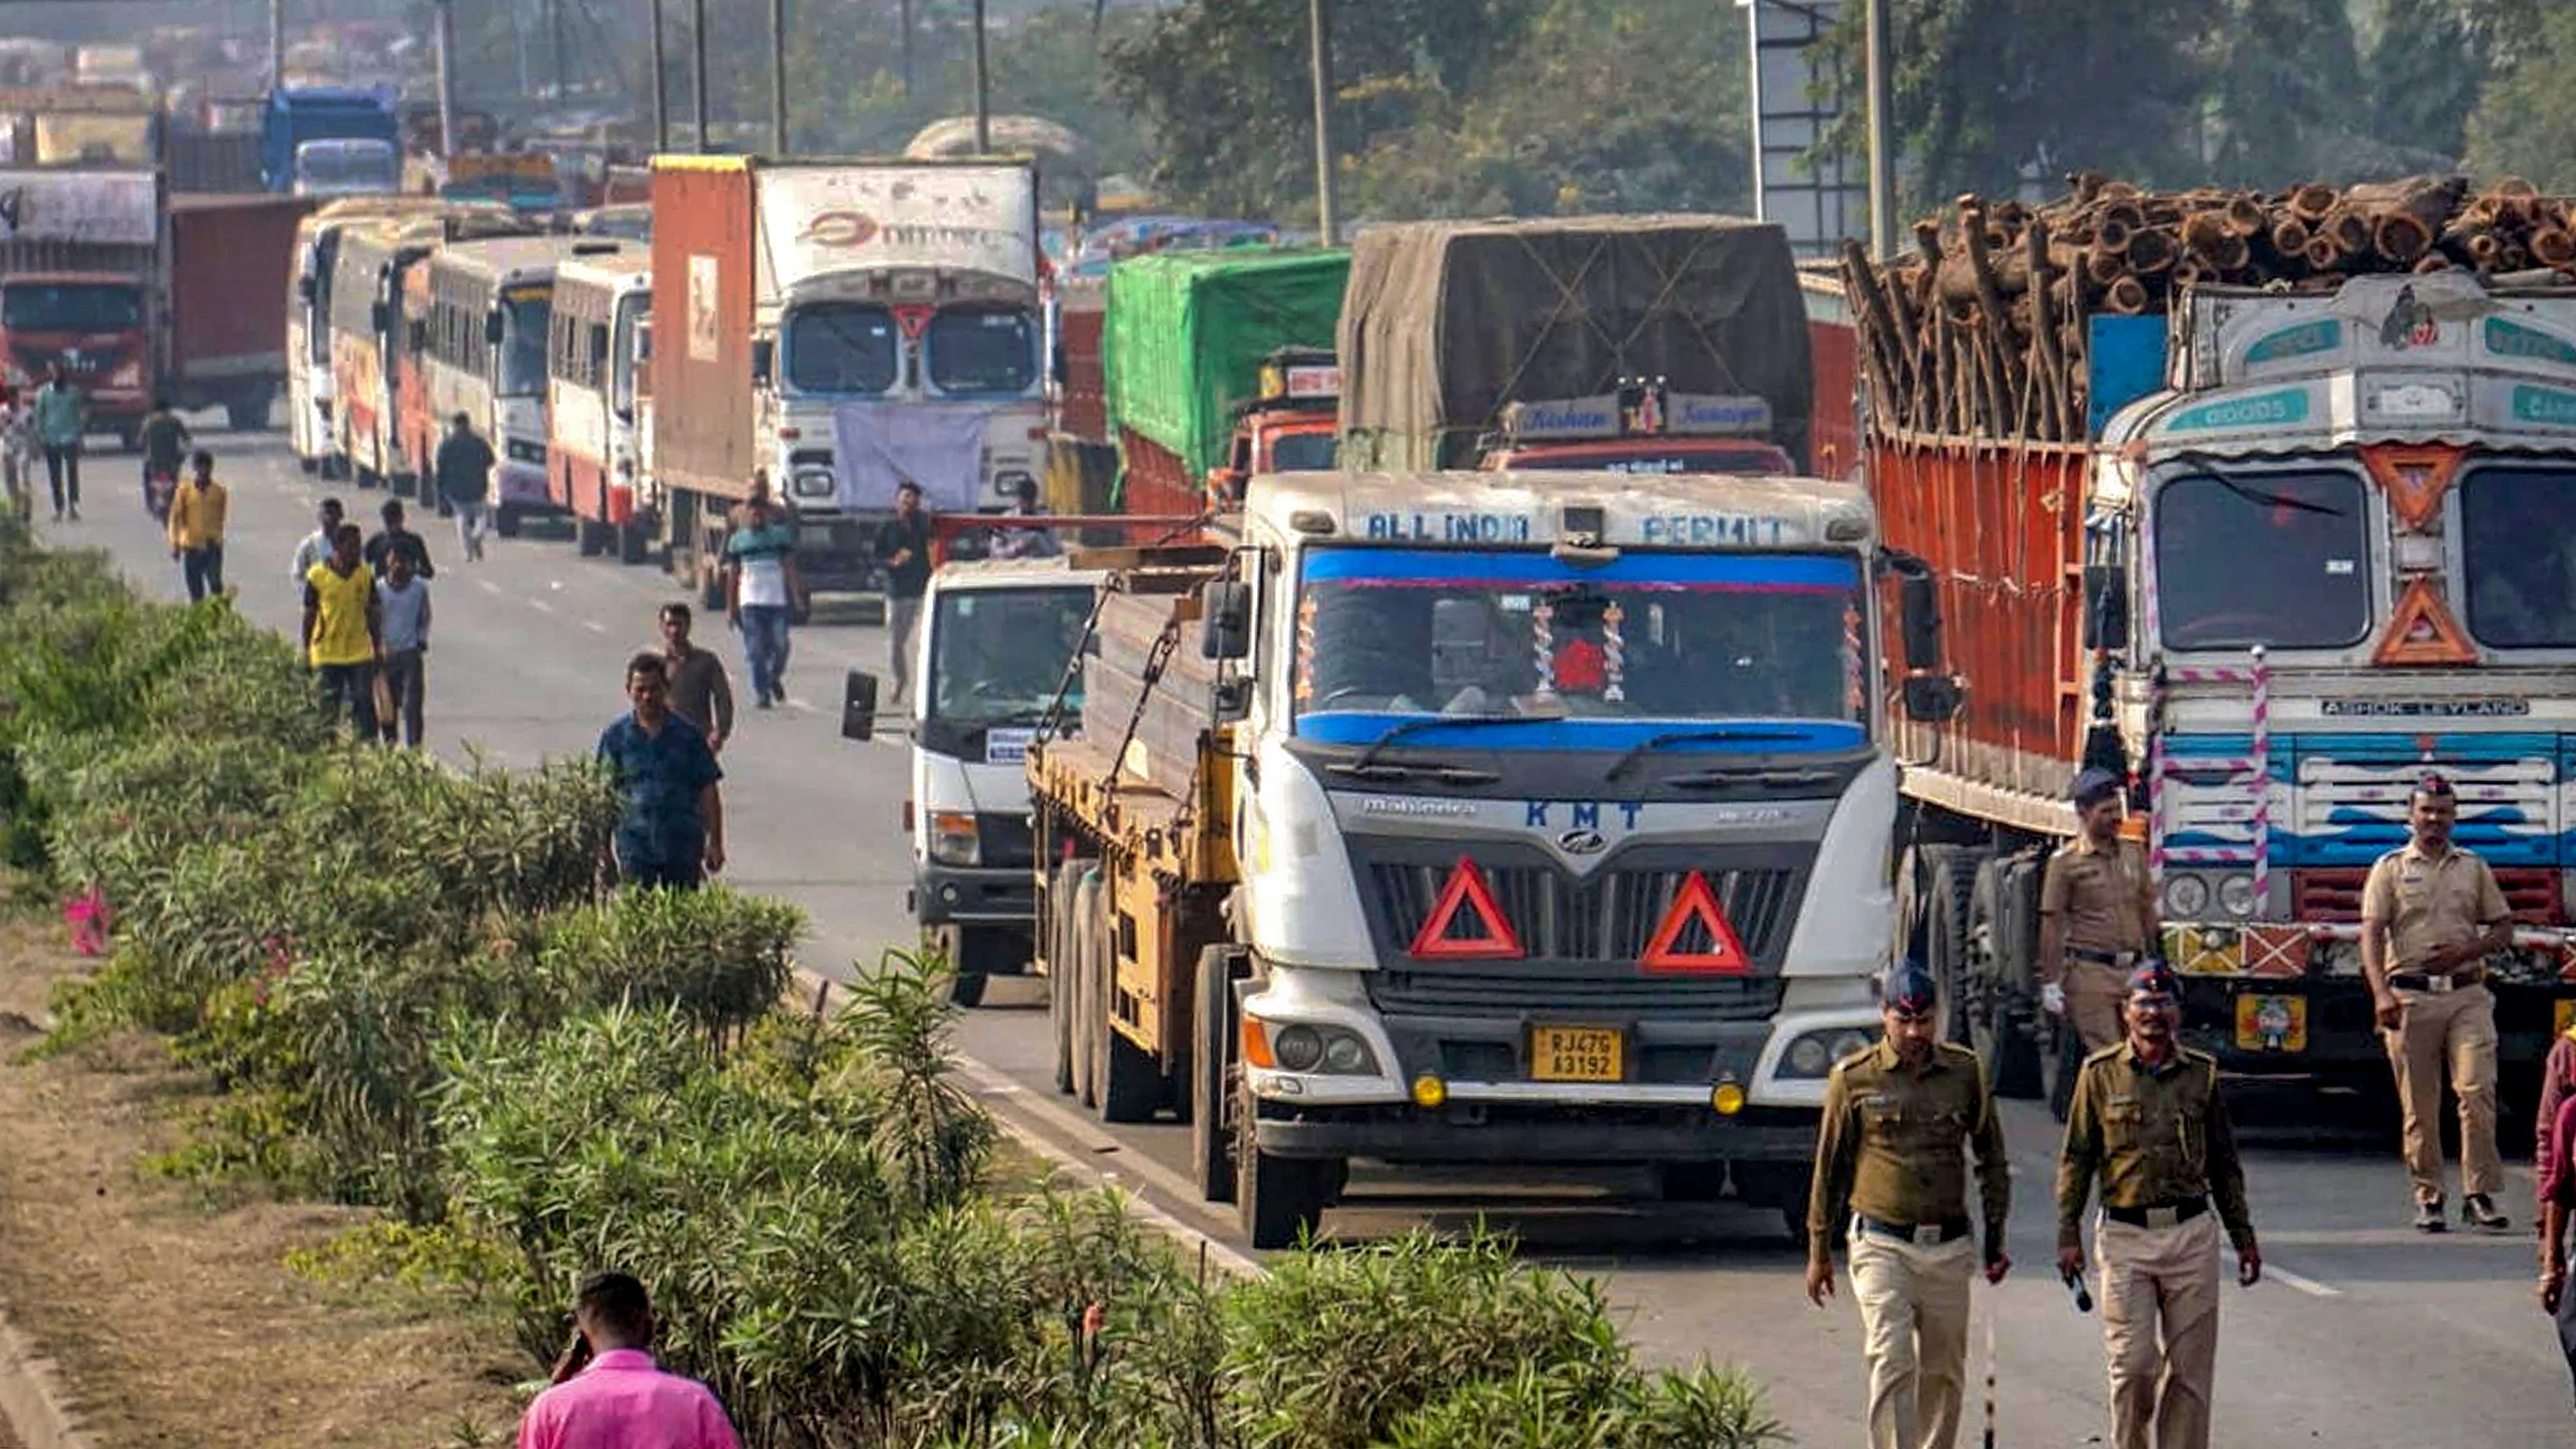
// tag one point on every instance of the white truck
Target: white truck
(841, 327)
(1520, 817)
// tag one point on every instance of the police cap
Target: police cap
(1909, 989)
(2093, 787)
(2154, 978)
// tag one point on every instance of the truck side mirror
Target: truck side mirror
(763, 353)
(492, 329)
(599, 339)
(1918, 609)
(1225, 620)
(2106, 606)
(859, 706)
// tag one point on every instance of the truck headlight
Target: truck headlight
(1814, 1053)
(811, 483)
(130, 375)
(1008, 484)
(2236, 895)
(2186, 896)
(526, 452)
(952, 837)
(1302, 1047)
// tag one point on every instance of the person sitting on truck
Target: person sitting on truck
(1026, 542)
(62, 417)
(165, 440)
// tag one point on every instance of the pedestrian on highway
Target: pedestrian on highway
(464, 469)
(2553, 1159)
(904, 546)
(1026, 542)
(62, 419)
(343, 631)
(2149, 1125)
(317, 545)
(2431, 914)
(672, 830)
(700, 693)
(2557, 1084)
(196, 527)
(1892, 1160)
(761, 583)
(165, 441)
(607, 1392)
(395, 538)
(402, 605)
(2097, 916)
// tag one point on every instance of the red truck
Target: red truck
(140, 294)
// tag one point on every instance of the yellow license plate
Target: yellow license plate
(1576, 1054)
(2271, 1023)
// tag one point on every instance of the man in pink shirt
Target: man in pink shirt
(607, 1393)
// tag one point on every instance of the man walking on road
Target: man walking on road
(62, 418)
(343, 631)
(700, 693)
(2431, 914)
(904, 545)
(165, 442)
(2097, 916)
(672, 831)
(607, 1391)
(2148, 1122)
(464, 469)
(761, 585)
(402, 606)
(317, 545)
(1892, 1167)
(2554, 1159)
(197, 528)
(397, 539)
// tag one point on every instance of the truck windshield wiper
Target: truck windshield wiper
(1652, 743)
(1445, 721)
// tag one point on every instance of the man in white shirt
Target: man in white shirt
(317, 544)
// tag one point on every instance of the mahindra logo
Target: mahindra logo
(1582, 842)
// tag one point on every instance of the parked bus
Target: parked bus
(593, 463)
(308, 320)
(485, 344)
(369, 336)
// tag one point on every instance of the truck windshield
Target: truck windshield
(522, 357)
(2518, 529)
(346, 167)
(1600, 657)
(2277, 559)
(997, 656)
(70, 307)
(1303, 452)
(982, 348)
(841, 347)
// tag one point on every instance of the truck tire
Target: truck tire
(966, 975)
(634, 545)
(1085, 1017)
(1690, 1181)
(1781, 1186)
(591, 538)
(1941, 881)
(1998, 962)
(1126, 1078)
(1211, 1075)
(1279, 1200)
(309, 465)
(505, 520)
(247, 415)
(1061, 886)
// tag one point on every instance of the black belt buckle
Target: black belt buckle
(2162, 1215)
(1921, 1235)
(2117, 960)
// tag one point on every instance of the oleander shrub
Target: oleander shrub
(719, 957)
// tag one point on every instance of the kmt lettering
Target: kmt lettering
(1586, 815)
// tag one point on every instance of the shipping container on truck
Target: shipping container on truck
(593, 461)
(1188, 334)
(2305, 547)
(310, 273)
(839, 326)
(1448, 324)
(227, 343)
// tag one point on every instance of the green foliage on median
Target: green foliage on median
(415, 990)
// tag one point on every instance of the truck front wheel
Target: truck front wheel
(247, 414)
(1083, 1017)
(505, 520)
(1062, 887)
(1211, 1076)
(1280, 1199)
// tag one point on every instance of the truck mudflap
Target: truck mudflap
(1502, 1132)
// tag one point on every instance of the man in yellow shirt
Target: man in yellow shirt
(197, 528)
(343, 630)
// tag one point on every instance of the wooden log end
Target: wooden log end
(2402, 237)
(2290, 236)
(2126, 297)
(2553, 247)
(2312, 201)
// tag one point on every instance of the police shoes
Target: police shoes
(2428, 1217)
(2479, 1211)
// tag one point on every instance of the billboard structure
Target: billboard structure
(1798, 94)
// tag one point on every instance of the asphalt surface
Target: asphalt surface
(2362, 1334)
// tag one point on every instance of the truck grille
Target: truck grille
(1608, 919)
(1500, 991)
(1004, 839)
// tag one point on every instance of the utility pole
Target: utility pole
(698, 67)
(778, 77)
(903, 10)
(983, 89)
(446, 80)
(563, 61)
(661, 87)
(1882, 158)
(276, 43)
(1327, 211)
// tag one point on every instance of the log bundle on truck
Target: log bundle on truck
(841, 327)
(2262, 502)
(1483, 818)
(1461, 339)
(139, 294)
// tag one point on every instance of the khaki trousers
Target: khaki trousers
(1914, 1328)
(2093, 996)
(2453, 1029)
(2160, 1325)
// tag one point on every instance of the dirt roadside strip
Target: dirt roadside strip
(32, 1415)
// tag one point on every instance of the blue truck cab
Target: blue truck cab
(331, 140)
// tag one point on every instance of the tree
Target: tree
(2423, 74)
(2285, 91)
(2525, 123)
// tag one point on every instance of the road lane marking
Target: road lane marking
(594, 626)
(2309, 1286)
(487, 586)
(541, 606)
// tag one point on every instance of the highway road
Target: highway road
(2363, 1334)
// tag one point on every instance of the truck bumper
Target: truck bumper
(838, 553)
(521, 485)
(984, 895)
(1509, 1132)
(2341, 1040)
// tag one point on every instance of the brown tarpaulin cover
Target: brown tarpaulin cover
(1446, 322)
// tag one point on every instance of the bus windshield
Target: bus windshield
(1616, 653)
(522, 354)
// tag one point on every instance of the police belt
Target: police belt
(2163, 1215)
(2122, 960)
(2436, 985)
(1921, 1235)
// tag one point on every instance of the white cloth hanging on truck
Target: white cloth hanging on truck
(878, 446)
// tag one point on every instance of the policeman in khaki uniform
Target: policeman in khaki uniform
(2097, 915)
(2148, 1124)
(1892, 1164)
(2431, 914)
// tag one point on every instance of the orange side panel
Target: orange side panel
(1833, 437)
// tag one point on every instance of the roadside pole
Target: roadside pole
(661, 86)
(1882, 159)
(698, 67)
(778, 76)
(983, 89)
(276, 43)
(446, 80)
(1319, 15)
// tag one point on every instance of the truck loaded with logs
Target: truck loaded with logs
(2266, 503)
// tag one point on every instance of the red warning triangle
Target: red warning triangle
(1496, 940)
(2422, 631)
(1712, 950)
(2415, 478)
